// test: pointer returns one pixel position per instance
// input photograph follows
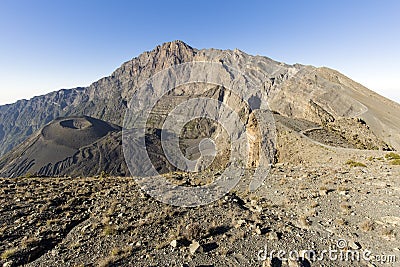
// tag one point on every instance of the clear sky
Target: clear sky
(55, 44)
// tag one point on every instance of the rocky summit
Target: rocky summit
(68, 196)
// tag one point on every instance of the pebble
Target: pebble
(258, 231)
(273, 236)
(323, 192)
(194, 247)
(354, 245)
(267, 263)
(174, 243)
(239, 223)
(293, 263)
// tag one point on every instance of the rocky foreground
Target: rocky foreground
(351, 206)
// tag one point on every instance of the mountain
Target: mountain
(289, 87)
(342, 111)
(332, 180)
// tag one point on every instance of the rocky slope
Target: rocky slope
(312, 199)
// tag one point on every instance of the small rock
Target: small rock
(354, 245)
(54, 252)
(323, 192)
(258, 231)
(84, 228)
(273, 236)
(239, 223)
(194, 247)
(267, 263)
(293, 263)
(257, 208)
(174, 243)
(392, 220)
(298, 263)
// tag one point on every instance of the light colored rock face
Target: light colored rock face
(289, 89)
(340, 97)
(196, 132)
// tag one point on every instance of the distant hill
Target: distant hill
(62, 146)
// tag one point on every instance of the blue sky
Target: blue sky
(49, 45)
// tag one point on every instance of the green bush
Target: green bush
(8, 253)
(392, 155)
(353, 163)
(395, 162)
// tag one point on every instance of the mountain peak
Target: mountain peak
(177, 48)
(179, 43)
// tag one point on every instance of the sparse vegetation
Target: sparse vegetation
(125, 217)
(103, 175)
(8, 253)
(303, 221)
(106, 262)
(193, 231)
(346, 208)
(388, 233)
(109, 230)
(340, 222)
(367, 226)
(392, 155)
(395, 162)
(353, 163)
(29, 241)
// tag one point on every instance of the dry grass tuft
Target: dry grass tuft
(391, 156)
(353, 164)
(109, 230)
(367, 226)
(29, 241)
(304, 222)
(388, 233)
(340, 222)
(8, 253)
(395, 162)
(346, 208)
